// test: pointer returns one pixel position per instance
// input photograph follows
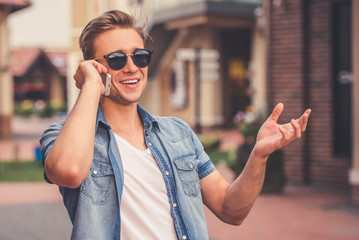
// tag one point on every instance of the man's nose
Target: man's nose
(130, 65)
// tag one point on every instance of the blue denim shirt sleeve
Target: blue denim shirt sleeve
(205, 165)
(47, 141)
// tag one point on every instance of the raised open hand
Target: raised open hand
(272, 136)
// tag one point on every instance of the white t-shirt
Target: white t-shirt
(145, 208)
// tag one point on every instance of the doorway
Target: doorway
(235, 60)
(342, 78)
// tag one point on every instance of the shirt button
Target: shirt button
(184, 237)
(94, 172)
(149, 144)
(167, 173)
(174, 205)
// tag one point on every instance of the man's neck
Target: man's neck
(120, 116)
(125, 122)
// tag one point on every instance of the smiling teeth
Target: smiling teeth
(129, 82)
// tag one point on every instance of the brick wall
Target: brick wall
(326, 169)
(355, 195)
(300, 74)
(285, 69)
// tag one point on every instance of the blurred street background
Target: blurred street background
(221, 66)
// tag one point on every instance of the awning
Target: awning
(24, 59)
(227, 9)
(165, 24)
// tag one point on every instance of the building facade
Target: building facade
(39, 75)
(313, 63)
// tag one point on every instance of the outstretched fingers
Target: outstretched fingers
(285, 136)
(303, 120)
(277, 111)
(297, 128)
(290, 134)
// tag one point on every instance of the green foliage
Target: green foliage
(16, 171)
(24, 108)
(40, 108)
(226, 157)
(210, 142)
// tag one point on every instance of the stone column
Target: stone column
(81, 12)
(73, 60)
(354, 171)
(6, 81)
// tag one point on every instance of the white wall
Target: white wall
(46, 23)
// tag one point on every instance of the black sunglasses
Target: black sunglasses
(118, 59)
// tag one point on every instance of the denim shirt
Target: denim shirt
(94, 206)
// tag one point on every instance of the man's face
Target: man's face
(128, 83)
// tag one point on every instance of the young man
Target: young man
(126, 174)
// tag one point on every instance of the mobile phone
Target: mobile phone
(106, 79)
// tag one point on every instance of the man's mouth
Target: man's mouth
(130, 81)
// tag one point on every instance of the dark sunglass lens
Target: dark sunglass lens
(142, 58)
(117, 61)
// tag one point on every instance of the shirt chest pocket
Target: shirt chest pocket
(186, 168)
(97, 184)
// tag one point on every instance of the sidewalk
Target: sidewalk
(300, 213)
(34, 211)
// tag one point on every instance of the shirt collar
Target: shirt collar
(148, 121)
(101, 120)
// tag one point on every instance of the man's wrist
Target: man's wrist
(93, 87)
(258, 154)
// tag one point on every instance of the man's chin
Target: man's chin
(126, 101)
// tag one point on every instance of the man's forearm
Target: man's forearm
(242, 193)
(70, 158)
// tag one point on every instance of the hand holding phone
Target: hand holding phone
(106, 79)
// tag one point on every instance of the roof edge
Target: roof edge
(186, 10)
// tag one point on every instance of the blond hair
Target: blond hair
(107, 21)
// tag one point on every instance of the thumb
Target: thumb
(277, 111)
